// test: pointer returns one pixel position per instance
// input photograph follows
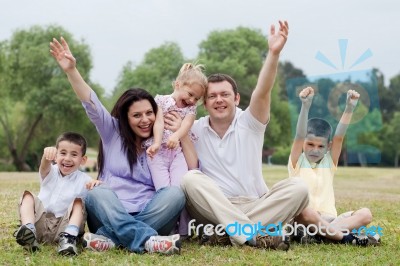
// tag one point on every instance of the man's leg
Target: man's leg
(105, 210)
(207, 204)
(286, 199)
(163, 210)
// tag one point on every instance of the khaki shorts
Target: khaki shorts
(49, 227)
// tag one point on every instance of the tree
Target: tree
(289, 76)
(239, 52)
(155, 74)
(36, 100)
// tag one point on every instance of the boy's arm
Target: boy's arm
(306, 96)
(49, 155)
(158, 129)
(260, 101)
(187, 122)
(67, 62)
(337, 141)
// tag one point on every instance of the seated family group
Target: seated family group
(160, 171)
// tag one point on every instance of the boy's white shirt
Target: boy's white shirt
(58, 192)
(319, 178)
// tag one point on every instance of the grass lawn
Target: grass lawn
(375, 188)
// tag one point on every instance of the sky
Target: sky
(119, 31)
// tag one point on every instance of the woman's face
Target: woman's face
(141, 118)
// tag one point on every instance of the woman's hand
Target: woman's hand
(62, 54)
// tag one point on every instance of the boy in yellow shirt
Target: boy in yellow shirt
(314, 158)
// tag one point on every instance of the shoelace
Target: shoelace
(101, 245)
(361, 240)
(159, 245)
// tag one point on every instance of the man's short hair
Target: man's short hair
(319, 128)
(215, 78)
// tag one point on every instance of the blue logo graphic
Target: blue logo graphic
(373, 230)
(329, 102)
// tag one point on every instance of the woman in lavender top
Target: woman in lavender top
(126, 210)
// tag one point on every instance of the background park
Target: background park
(37, 104)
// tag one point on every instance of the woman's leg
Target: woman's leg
(108, 217)
(163, 210)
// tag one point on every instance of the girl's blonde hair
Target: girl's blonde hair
(192, 73)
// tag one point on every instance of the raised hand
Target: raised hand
(352, 98)
(50, 153)
(62, 54)
(306, 96)
(277, 39)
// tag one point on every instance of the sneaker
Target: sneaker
(67, 245)
(164, 244)
(26, 238)
(366, 240)
(273, 242)
(303, 238)
(97, 242)
(215, 240)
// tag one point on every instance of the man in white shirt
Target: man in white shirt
(230, 189)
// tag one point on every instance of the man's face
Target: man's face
(221, 101)
(315, 148)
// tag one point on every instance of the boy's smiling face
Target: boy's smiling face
(315, 148)
(69, 157)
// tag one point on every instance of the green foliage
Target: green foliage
(36, 102)
(155, 74)
(238, 53)
(281, 155)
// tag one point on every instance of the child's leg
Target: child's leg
(309, 216)
(27, 209)
(75, 218)
(184, 220)
(26, 235)
(178, 167)
(353, 220)
(159, 168)
(68, 236)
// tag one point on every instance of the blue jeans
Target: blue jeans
(107, 216)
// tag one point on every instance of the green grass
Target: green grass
(375, 188)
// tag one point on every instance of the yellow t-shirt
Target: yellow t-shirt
(319, 178)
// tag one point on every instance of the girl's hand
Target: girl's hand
(173, 142)
(152, 150)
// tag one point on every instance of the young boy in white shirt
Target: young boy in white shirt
(57, 214)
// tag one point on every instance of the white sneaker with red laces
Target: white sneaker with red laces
(164, 244)
(97, 242)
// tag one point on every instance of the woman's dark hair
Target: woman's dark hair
(120, 112)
